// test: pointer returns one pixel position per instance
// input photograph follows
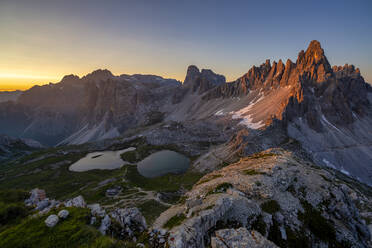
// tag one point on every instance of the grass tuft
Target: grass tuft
(270, 206)
(175, 221)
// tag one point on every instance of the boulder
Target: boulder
(63, 214)
(76, 202)
(51, 221)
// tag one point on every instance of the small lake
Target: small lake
(163, 162)
(104, 160)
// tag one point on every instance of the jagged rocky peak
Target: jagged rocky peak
(313, 63)
(99, 75)
(192, 73)
(71, 78)
(346, 71)
(202, 81)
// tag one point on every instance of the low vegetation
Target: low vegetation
(72, 232)
(175, 221)
(130, 157)
(12, 208)
(53, 175)
(270, 206)
(49, 169)
(252, 172)
(316, 223)
(221, 188)
(262, 155)
(260, 225)
(294, 239)
(151, 210)
(166, 183)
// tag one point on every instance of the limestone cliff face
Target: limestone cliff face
(98, 105)
(339, 92)
(202, 81)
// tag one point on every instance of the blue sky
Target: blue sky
(44, 40)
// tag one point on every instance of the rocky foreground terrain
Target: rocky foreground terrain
(273, 196)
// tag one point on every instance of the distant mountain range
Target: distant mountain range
(326, 109)
(9, 95)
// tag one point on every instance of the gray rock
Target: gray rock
(113, 191)
(105, 224)
(237, 238)
(52, 204)
(41, 205)
(36, 196)
(76, 202)
(130, 219)
(51, 221)
(306, 187)
(63, 214)
(227, 207)
(93, 220)
(163, 232)
(96, 209)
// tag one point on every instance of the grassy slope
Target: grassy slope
(59, 183)
(47, 172)
(72, 232)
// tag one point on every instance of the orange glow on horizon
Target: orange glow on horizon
(14, 81)
(24, 83)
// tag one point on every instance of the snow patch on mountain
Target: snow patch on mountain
(246, 116)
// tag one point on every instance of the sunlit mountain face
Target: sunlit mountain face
(221, 124)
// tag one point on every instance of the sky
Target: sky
(41, 41)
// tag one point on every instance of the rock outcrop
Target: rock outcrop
(202, 81)
(52, 220)
(78, 202)
(241, 237)
(105, 224)
(131, 221)
(286, 199)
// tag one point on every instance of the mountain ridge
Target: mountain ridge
(323, 107)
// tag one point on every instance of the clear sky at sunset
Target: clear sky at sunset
(43, 40)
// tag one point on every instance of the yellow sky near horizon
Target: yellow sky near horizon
(12, 82)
